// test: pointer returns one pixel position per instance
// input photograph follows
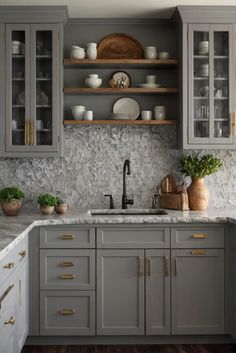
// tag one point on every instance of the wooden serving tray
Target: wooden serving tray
(120, 46)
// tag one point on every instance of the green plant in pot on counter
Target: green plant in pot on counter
(11, 200)
(61, 206)
(197, 167)
(47, 203)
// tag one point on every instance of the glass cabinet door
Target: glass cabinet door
(17, 87)
(44, 44)
(209, 85)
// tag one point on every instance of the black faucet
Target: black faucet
(125, 200)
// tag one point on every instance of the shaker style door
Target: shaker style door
(211, 116)
(44, 87)
(120, 292)
(18, 73)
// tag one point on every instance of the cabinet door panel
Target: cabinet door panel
(157, 292)
(120, 292)
(197, 292)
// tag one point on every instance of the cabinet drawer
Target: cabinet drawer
(67, 313)
(133, 237)
(67, 269)
(67, 237)
(13, 260)
(197, 237)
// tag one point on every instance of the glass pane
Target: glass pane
(18, 87)
(201, 84)
(44, 88)
(221, 84)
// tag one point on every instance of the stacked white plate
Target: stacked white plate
(203, 70)
(203, 47)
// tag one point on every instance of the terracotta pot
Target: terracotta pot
(47, 210)
(62, 208)
(11, 208)
(198, 195)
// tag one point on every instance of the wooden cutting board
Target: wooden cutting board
(120, 46)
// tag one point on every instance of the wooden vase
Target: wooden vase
(198, 195)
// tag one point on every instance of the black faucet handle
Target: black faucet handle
(129, 201)
(111, 201)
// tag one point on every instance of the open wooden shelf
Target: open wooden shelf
(120, 122)
(108, 90)
(120, 62)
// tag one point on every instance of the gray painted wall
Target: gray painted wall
(92, 165)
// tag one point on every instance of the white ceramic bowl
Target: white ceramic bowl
(93, 82)
(78, 111)
(77, 53)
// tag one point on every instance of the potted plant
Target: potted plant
(197, 168)
(11, 200)
(47, 203)
(61, 206)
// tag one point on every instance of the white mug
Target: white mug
(88, 115)
(164, 55)
(151, 79)
(146, 115)
(150, 52)
(159, 112)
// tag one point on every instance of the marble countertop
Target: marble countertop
(13, 229)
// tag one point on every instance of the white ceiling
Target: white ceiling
(119, 8)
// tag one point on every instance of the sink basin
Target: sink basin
(129, 212)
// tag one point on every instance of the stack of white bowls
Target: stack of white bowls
(203, 70)
(16, 47)
(203, 47)
(77, 52)
(93, 81)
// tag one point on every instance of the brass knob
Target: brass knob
(9, 265)
(11, 321)
(22, 253)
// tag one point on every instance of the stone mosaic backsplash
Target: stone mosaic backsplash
(93, 164)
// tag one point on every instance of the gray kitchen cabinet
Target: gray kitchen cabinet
(33, 92)
(120, 292)
(207, 104)
(157, 292)
(14, 306)
(197, 291)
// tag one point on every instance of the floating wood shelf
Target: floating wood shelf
(120, 62)
(120, 122)
(81, 90)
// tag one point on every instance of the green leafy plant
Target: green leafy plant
(198, 167)
(11, 193)
(59, 201)
(47, 200)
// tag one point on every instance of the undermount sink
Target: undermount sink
(129, 212)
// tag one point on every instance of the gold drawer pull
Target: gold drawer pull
(166, 271)
(67, 311)
(7, 291)
(199, 236)
(67, 236)
(11, 321)
(67, 264)
(22, 253)
(9, 265)
(198, 252)
(67, 276)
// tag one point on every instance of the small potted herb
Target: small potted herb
(197, 168)
(11, 200)
(47, 203)
(61, 206)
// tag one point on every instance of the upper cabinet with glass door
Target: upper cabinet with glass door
(34, 93)
(208, 103)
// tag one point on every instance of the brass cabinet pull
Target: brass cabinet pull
(9, 265)
(5, 294)
(67, 237)
(199, 236)
(198, 252)
(166, 271)
(11, 321)
(175, 266)
(67, 264)
(140, 259)
(233, 124)
(67, 276)
(22, 253)
(149, 265)
(67, 311)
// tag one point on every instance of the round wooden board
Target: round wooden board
(120, 46)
